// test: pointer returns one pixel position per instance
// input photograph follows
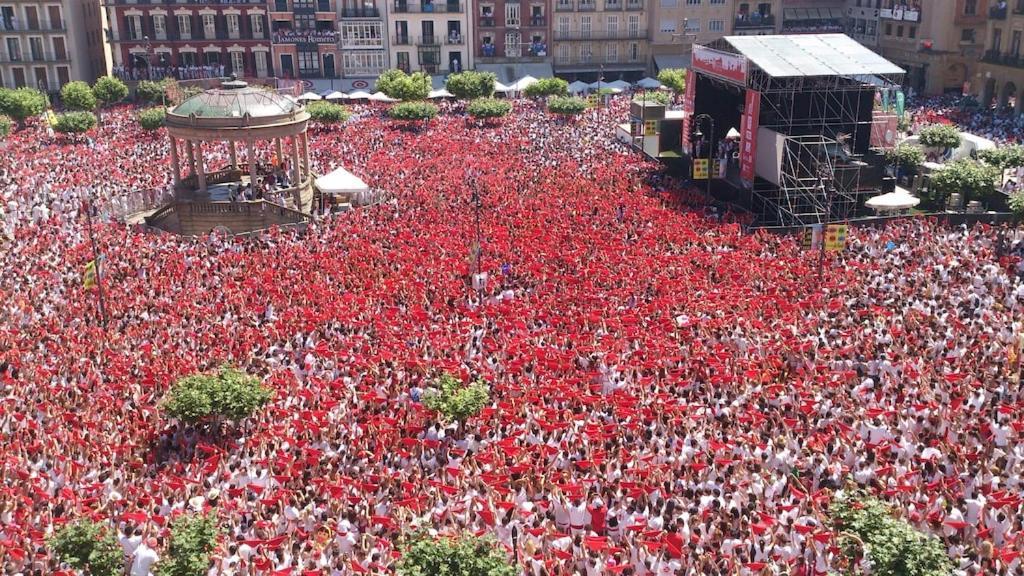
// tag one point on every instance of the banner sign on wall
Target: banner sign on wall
(700, 169)
(748, 135)
(691, 87)
(721, 64)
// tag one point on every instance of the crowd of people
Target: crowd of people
(1001, 126)
(669, 394)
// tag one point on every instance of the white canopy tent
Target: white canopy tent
(442, 93)
(620, 85)
(901, 199)
(309, 96)
(341, 182)
(381, 97)
(649, 83)
(359, 95)
(732, 133)
(522, 83)
(578, 87)
(499, 87)
(334, 96)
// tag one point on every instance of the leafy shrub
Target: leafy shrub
(1016, 203)
(397, 84)
(547, 87)
(975, 180)
(327, 112)
(653, 97)
(567, 106)
(892, 545)
(5, 126)
(193, 538)
(150, 91)
(152, 118)
(465, 555)
(904, 155)
(77, 96)
(413, 111)
(109, 90)
(75, 122)
(455, 402)
(941, 136)
(674, 79)
(1004, 157)
(471, 85)
(229, 394)
(488, 108)
(89, 546)
(22, 103)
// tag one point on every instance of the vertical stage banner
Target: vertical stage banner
(748, 135)
(691, 87)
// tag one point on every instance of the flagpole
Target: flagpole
(96, 260)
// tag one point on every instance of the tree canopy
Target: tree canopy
(413, 111)
(464, 555)
(673, 78)
(488, 108)
(150, 91)
(397, 84)
(904, 155)
(327, 112)
(567, 106)
(1004, 157)
(193, 538)
(5, 126)
(547, 87)
(975, 180)
(109, 89)
(471, 85)
(940, 136)
(454, 401)
(152, 118)
(75, 122)
(89, 546)
(22, 103)
(228, 393)
(78, 95)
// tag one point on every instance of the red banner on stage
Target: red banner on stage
(717, 63)
(883, 129)
(748, 135)
(691, 89)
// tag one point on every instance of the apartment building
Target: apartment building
(429, 35)
(305, 38)
(676, 25)
(363, 42)
(595, 37)
(48, 44)
(512, 38)
(1000, 75)
(938, 42)
(190, 38)
(863, 18)
(757, 18)
(813, 16)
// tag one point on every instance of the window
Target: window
(585, 27)
(1015, 43)
(513, 44)
(187, 59)
(716, 25)
(14, 49)
(363, 63)
(261, 64)
(512, 14)
(305, 21)
(634, 52)
(692, 25)
(633, 26)
(134, 25)
(668, 25)
(967, 35)
(717, 2)
(997, 39)
(693, 2)
(59, 49)
(35, 46)
(667, 3)
(309, 63)
(257, 27)
(912, 32)
(238, 63)
(486, 11)
(209, 26)
(586, 53)
(302, 4)
(403, 61)
(563, 53)
(970, 7)
(160, 26)
(888, 29)
(363, 34)
(611, 53)
(613, 26)
(233, 28)
(899, 31)
(563, 25)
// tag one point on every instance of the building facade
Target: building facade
(938, 43)
(595, 37)
(48, 44)
(512, 38)
(676, 25)
(190, 39)
(305, 38)
(432, 36)
(813, 17)
(1000, 75)
(757, 18)
(862, 21)
(363, 40)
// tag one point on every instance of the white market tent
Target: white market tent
(359, 95)
(341, 182)
(649, 82)
(732, 133)
(522, 83)
(578, 87)
(309, 96)
(442, 93)
(619, 85)
(901, 199)
(499, 87)
(380, 97)
(334, 96)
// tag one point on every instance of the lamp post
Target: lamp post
(828, 188)
(477, 206)
(711, 138)
(600, 78)
(97, 260)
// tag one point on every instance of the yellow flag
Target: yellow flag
(89, 275)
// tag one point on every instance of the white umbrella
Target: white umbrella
(381, 97)
(522, 83)
(334, 96)
(359, 95)
(732, 133)
(649, 83)
(442, 93)
(898, 200)
(577, 87)
(499, 87)
(619, 85)
(309, 96)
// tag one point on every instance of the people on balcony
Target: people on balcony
(488, 50)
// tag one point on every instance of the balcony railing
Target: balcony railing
(179, 2)
(357, 42)
(399, 40)
(428, 41)
(538, 22)
(34, 57)
(455, 40)
(1002, 59)
(610, 6)
(755, 21)
(13, 26)
(597, 61)
(997, 13)
(563, 6)
(600, 34)
(634, 6)
(587, 6)
(426, 8)
(177, 37)
(487, 22)
(360, 13)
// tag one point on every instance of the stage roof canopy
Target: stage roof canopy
(797, 55)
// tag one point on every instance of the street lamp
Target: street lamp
(477, 206)
(698, 120)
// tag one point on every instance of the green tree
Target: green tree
(90, 546)
(465, 555)
(892, 545)
(482, 108)
(906, 156)
(109, 90)
(455, 402)
(227, 394)
(653, 97)
(942, 136)
(75, 122)
(152, 118)
(674, 79)
(193, 538)
(1016, 203)
(567, 106)
(397, 84)
(151, 92)
(471, 85)
(78, 96)
(1004, 157)
(547, 87)
(22, 103)
(5, 126)
(327, 112)
(413, 111)
(975, 180)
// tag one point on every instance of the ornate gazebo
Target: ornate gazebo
(248, 193)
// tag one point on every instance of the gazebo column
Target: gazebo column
(296, 174)
(200, 169)
(280, 150)
(305, 155)
(249, 147)
(234, 155)
(190, 151)
(175, 162)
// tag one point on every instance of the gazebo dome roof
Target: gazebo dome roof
(236, 99)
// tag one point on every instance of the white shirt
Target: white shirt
(144, 558)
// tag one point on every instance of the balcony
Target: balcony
(455, 40)
(612, 6)
(34, 57)
(755, 20)
(427, 8)
(599, 34)
(401, 40)
(1001, 59)
(180, 2)
(428, 41)
(997, 13)
(1019, 8)
(12, 26)
(358, 42)
(305, 37)
(527, 59)
(360, 13)
(608, 63)
(587, 6)
(561, 6)
(121, 37)
(539, 22)
(487, 22)
(634, 6)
